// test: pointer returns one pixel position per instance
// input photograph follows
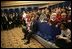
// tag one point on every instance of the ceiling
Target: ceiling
(18, 3)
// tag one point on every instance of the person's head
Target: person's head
(54, 14)
(23, 12)
(32, 18)
(63, 15)
(3, 14)
(39, 11)
(43, 11)
(28, 12)
(63, 26)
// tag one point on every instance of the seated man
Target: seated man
(64, 39)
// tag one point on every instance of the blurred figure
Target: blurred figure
(43, 16)
(64, 39)
(64, 17)
(69, 20)
(53, 17)
(33, 29)
(5, 21)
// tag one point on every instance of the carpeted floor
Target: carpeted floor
(12, 39)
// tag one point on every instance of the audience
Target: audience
(54, 16)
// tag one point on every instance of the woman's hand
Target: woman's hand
(59, 37)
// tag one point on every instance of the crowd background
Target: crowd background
(13, 16)
(53, 15)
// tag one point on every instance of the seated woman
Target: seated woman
(64, 39)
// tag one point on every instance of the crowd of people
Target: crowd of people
(59, 17)
(9, 20)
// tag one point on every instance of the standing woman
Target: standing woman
(24, 25)
(33, 29)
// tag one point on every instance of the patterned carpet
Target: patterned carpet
(12, 39)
